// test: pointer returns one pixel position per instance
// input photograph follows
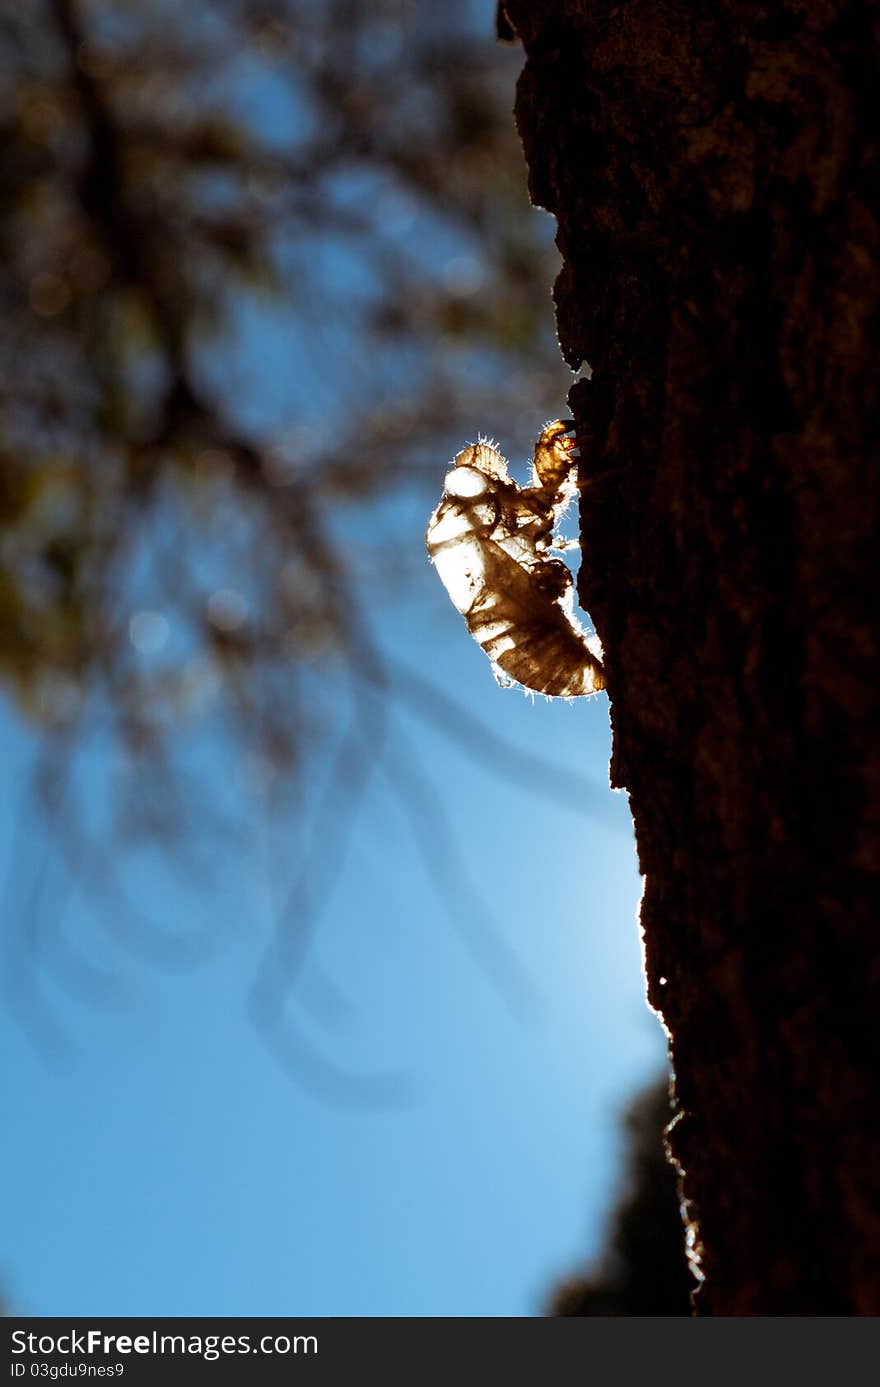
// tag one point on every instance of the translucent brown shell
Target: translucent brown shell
(491, 542)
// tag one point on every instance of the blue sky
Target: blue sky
(171, 1166)
(161, 1161)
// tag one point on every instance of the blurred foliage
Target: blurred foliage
(264, 263)
(264, 266)
(643, 1270)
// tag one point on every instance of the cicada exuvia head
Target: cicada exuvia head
(556, 454)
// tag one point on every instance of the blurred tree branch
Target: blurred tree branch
(189, 536)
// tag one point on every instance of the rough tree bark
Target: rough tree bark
(713, 175)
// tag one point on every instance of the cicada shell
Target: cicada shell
(491, 542)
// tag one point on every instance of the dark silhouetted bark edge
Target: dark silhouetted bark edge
(713, 173)
(643, 1270)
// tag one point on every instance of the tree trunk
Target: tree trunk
(713, 177)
